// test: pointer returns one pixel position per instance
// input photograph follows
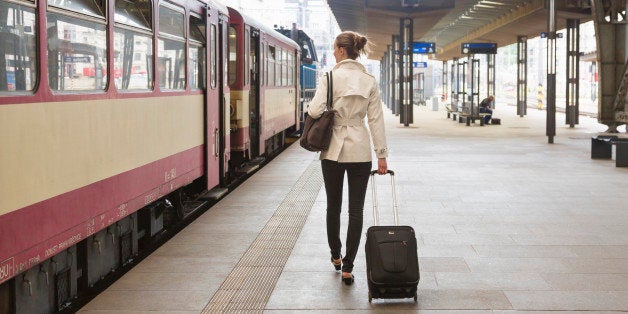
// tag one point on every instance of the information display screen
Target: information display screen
(423, 47)
(479, 48)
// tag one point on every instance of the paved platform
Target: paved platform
(505, 223)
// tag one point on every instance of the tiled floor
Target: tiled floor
(505, 223)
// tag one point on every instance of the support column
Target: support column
(522, 75)
(406, 69)
(475, 86)
(444, 82)
(550, 126)
(462, 82)
(612, 58)
(490, 76)
(395, 61)
(454, 83)
(572, 105)
(382, 78)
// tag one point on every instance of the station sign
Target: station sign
(422, 47)
(479, 48)
(420, 65)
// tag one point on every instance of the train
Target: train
(120, 119)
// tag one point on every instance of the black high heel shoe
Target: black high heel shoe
(336, 262)
(347, 280)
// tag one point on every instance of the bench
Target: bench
(602, 148)
(471, 118)
(451, 111)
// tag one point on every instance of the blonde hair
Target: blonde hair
(353, 43)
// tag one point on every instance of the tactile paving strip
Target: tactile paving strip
(250, 284)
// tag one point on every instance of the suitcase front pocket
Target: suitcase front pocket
(394, 256)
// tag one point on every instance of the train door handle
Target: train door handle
(216, 143)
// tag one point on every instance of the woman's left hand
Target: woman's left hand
(382, 166)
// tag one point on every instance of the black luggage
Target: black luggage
(496, 121)
(392, 264)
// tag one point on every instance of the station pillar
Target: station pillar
(572, 105)
(550, 126)
(454, 83)
(444, 82)
(612, 57)
(490, 75)
(406, 71)
(522, 75)
(395, 65)
(475, 86)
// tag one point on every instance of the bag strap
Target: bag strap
(330, 90)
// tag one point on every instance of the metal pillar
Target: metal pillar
(406, 68)
(454, 83)
(612, 60)
(444, 82)
(475, 87)
(550, 127)
(490, 76)
(572, 105)
(420, 84)
(382, 78)
(522, 75)
(462, 82)
(395, 60)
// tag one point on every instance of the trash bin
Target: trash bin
(434, 103)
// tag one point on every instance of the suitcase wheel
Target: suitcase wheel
(415, 297)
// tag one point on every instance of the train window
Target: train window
(284, 67)
(212, 55)
(197, 29)
(171, 21)
(88, 7)
(233, 52)
(197, 53)
(171, 48)
(290, 69)
(278, 68)
(133, 60)
(77, 53)
(137, 13)
(271, 65)
(18, 55)
(133, 45)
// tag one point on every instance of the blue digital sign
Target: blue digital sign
(423, 47)
(479, 48)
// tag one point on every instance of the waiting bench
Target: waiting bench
(602, 148)
(452, 111)
(468, 117)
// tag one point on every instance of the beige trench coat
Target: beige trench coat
(356, 96)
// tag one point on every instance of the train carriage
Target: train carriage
(109, 111)
(264, 89)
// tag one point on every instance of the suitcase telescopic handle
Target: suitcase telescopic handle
(394, 195)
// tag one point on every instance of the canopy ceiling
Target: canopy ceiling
(449, 23)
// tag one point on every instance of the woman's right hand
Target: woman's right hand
(382, 166)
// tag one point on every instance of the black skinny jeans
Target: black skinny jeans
(358, 174)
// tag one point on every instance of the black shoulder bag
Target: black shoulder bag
(317, 132)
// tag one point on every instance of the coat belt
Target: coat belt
(348, 122)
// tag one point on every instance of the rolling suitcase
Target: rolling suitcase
(392, 265)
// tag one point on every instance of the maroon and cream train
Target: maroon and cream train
(113, 114)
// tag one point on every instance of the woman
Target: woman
(355, 96)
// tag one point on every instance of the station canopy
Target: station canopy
(449, 23)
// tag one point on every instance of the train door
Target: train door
(254, 92)
(225, 99)
(212, 105)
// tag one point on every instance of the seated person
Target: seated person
(485, 107)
